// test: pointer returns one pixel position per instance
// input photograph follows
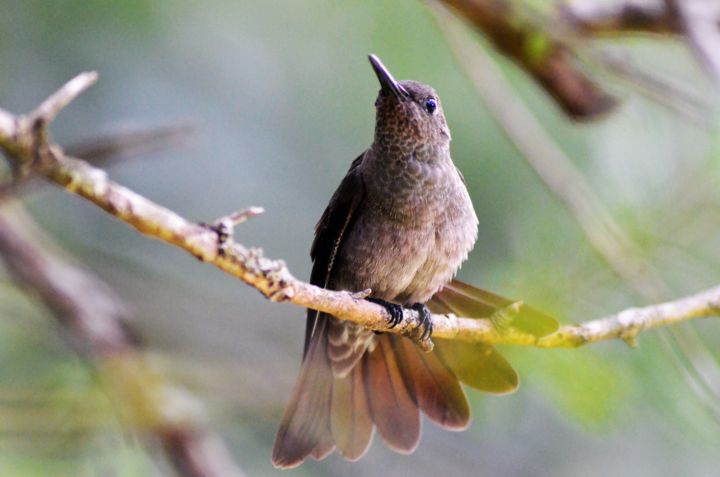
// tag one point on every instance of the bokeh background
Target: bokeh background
(280, 96)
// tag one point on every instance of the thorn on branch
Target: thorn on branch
(630, 338)
(244, 215)
(362, 294)
(51, 107)
(224, 227)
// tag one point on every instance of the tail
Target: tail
(392, 382)
(386, 389)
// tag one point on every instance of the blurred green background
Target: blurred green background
(281, 98)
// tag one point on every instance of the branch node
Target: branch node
(280, 296)
(502, 319)
(224, 227)
(279, 280)
(714, 306)
(244, 215)
(362, 294)
(630, 338)
(51, 107)
(426, 345)
(283, 292)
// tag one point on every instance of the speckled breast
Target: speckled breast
(414, 230)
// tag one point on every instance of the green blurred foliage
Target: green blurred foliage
(282, 99)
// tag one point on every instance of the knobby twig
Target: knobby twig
(26, 144)
(95, 320)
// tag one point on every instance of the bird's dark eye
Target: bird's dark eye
(430, 105)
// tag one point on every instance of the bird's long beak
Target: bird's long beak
(388, 84)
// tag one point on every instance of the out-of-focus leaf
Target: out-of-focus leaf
(586, 387)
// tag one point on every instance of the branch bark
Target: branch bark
(22, 141)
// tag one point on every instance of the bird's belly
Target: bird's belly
(405, 261)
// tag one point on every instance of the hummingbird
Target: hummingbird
(400, 224)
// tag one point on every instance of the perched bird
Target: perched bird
(400, 223)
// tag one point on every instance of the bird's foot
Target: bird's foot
(425, 320)
(394, 310)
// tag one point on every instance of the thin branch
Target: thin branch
(627, 324)
(95, 319)
(272, 278)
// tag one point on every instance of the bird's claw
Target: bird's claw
(425, 320)
(394, 310)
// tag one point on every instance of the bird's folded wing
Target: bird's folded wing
(480, 365)
(468, 301)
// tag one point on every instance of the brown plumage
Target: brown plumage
(400, 223)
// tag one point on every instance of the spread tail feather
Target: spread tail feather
(392, 407)
(435, 387)
(350, 420)
(305, 427)
(386, 389)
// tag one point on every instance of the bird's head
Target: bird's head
(409, 113)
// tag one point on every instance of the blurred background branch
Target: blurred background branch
(618, 17)
(564, 181)
(700, 22)
(551, 47)
(520, 34)
(93, 317)
(94, 320)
